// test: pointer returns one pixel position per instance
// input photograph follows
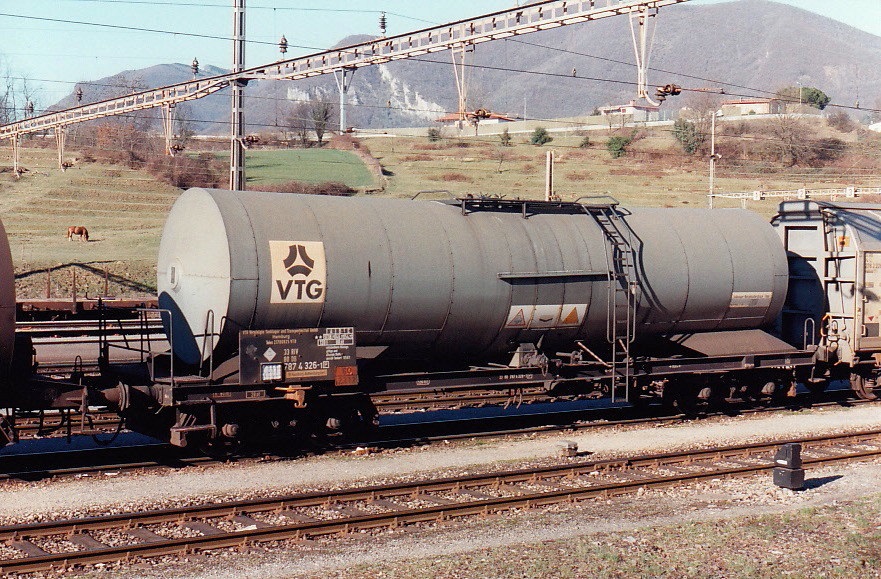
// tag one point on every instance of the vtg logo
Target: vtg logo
(299, 272)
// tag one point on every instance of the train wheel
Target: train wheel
(817, 386)
(352, 416)
(719, 393)
(863, 387)
(362, 417)
(681, 397)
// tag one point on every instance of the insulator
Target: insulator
(195, 66)
(382, 23)
(283, 44)
(79, 94)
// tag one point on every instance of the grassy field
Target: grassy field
(124, 210)
(838, 540)
(306, 165)
(653, 173)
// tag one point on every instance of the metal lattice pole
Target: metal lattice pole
(237, 147)
(343, 81)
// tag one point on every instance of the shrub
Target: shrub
(617, 146)
(454, 177)
(185, 172)
(585, 143)
(540, 136)
(827, 150)
(688, 135)
(505, 138)
(841, 121)
(733, 129)
(434, 135)
(332, 188)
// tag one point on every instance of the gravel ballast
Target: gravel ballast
(136, 491)
(582, 540)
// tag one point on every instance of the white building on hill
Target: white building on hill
(741, 107)
(637, 112)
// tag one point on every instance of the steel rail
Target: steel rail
(76, 327)
(115, 465)
(474, 495)
(56, 424)
(394, 402)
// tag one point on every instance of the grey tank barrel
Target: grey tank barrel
(7, 319)
(443, 280)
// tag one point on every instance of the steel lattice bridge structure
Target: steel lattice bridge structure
(526, 19)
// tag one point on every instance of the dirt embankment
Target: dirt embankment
(349, 143)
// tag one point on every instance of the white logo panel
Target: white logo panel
(299, 272)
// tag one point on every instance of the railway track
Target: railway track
(54, 423)
(65, 424)
(99, 460)
(103, 539)
(395, 401)
(78, 462)
(57, 424)
(56, 328)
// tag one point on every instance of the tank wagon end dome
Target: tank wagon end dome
(193, 270)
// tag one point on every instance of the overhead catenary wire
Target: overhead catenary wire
(315, 9)
(545, 74)
(508, 69)
(176, 4)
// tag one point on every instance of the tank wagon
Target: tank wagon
(308, 302)
(834, 299)
(285, 312)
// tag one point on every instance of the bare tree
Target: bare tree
(791, 140)
(699, 110)
(299, 120)
(322, 113)
(130, 130)
(185, 130)
(15, 94)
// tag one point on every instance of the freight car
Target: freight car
(285, 312)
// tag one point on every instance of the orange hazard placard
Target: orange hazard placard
(345, 376)
(570, 319)
(572, 314)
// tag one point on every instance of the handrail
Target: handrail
(447, 191)
(813, 334)
(613, 200)
(209, 332)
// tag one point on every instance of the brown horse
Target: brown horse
(77, 230)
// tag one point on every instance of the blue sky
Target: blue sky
(55, 47)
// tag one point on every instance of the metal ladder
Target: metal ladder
(621, 319)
